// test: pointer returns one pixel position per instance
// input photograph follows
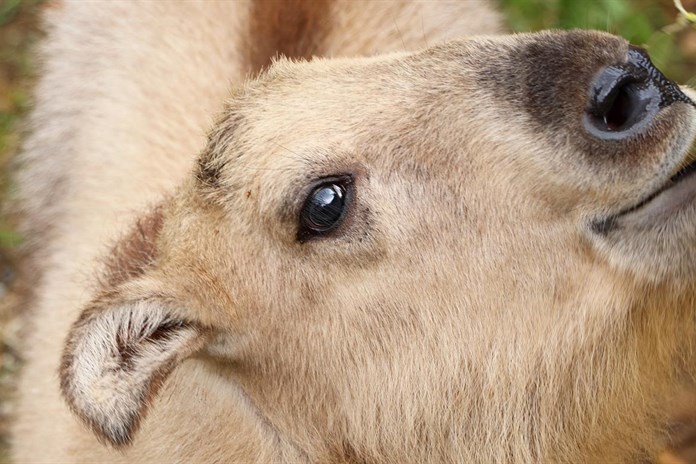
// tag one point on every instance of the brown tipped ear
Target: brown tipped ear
(127, 341)
(116, 359)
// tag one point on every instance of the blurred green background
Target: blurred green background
(654, 24)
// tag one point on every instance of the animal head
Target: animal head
(416, 256)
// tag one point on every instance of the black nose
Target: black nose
(625, 98)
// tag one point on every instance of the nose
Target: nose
(625, 98)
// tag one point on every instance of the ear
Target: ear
(126, 342)
(116, 359)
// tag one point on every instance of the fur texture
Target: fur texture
(465, 310)
(127, 92)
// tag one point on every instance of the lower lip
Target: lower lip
(680, 191)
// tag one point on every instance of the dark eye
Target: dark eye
(323, 209)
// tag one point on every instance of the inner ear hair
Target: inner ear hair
(117, 358)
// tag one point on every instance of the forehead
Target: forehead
(341, 111)
(456, 105)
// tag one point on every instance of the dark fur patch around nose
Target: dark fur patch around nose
(548, 75)
(547, 79)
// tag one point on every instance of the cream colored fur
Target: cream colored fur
(128, 90)
(463, 313)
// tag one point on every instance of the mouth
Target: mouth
(678, 191)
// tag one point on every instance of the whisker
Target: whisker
(286, 148)
(403, 44)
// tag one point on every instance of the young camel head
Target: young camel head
(481, 252)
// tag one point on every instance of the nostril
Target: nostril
(625, 98)
(621, 108)
(620, 100)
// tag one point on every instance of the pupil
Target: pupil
(325, 207)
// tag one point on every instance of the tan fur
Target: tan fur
(127, 92)
(464, 311)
